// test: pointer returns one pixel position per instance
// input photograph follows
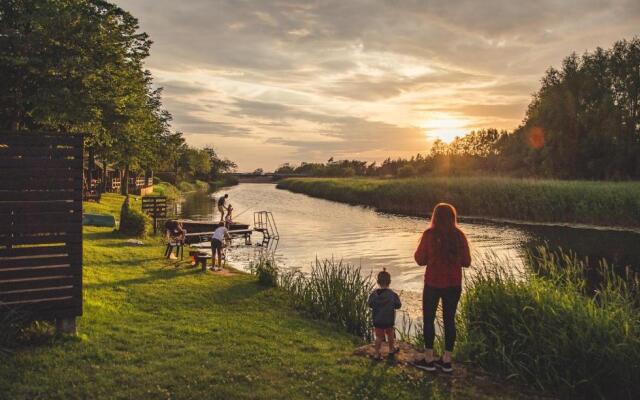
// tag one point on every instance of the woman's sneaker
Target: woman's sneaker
(424, 365)
(444, 366)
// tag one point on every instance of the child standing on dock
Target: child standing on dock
(221, 206)
(384, 302)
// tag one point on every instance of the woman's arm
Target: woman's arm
(465, 253)
(422, 252)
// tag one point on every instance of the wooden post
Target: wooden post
(66, 326)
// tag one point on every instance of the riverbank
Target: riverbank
(611, 204)
(154, 328)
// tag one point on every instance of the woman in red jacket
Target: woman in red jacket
(444, 250)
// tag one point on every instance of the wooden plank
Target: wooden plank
(44, 229)
(37, 164)
(34, 294)
(38, 251)
(37, 272)
(43, 173)
(44, 239)
(23, 218)
(51, 309)
(47, 282)
(37, 183)
(40, 151)
(41, 261)
(40, 207)
(41, 140)
(40, 195)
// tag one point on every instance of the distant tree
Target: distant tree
(258, 171)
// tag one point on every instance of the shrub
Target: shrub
(267, 272)
(185, 186)
(406, 171)
(135, 223)
(546, 331)
(202, 186)
(599, 203)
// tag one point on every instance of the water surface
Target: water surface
(311, 227)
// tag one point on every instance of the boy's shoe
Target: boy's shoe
(424, 365)
(445, 367)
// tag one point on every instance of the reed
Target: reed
(333, 291)
(583, 202)
(542, 326)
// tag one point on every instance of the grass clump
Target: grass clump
(332, 291)
(166, 189)
(585, 202)
(539, 326)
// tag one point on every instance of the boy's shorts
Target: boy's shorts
(382, 332)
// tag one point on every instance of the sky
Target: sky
(269, 82)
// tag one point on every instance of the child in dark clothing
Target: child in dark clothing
(384, 302)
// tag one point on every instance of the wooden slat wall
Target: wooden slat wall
(41, 224)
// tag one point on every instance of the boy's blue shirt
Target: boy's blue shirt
(384, 303)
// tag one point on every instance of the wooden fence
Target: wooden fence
(41, 226)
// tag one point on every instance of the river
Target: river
(311, 227)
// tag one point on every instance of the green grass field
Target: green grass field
(582, 202)
(153, 329)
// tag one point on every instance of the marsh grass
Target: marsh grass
(584, 202)
(544, 327)
(333, 291)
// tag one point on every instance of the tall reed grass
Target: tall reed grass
(333, 291)
(543, 327)
(584, 202)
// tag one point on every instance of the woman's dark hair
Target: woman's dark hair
(446, 235)
(384, 278)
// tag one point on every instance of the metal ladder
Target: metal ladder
(264, 222)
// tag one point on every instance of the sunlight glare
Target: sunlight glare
(445, 129)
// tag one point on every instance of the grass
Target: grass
(543, 327)
(155, 329)
(166, 189)
(582, 202)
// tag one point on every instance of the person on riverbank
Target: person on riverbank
(175, 235)
(444, 250)
(218, 240)
(221, 207)
(384, 302)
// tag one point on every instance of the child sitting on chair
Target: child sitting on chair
(384, 302)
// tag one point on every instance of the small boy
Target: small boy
(384, 302)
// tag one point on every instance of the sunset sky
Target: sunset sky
(268, 82)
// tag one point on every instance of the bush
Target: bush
(267, 272)
(202, 186)
(167, 190)
(543, 329)
(135, 223)
(406, 171)
(185, 187)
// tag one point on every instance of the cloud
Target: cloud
(359, 77)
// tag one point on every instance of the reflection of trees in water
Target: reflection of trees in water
(618, 248)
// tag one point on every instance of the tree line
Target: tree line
(77, 66)
(583, 123)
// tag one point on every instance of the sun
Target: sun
(445, 128)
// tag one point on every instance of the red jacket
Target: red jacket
(440, 273)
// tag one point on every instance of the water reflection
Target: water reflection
(311, 228)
